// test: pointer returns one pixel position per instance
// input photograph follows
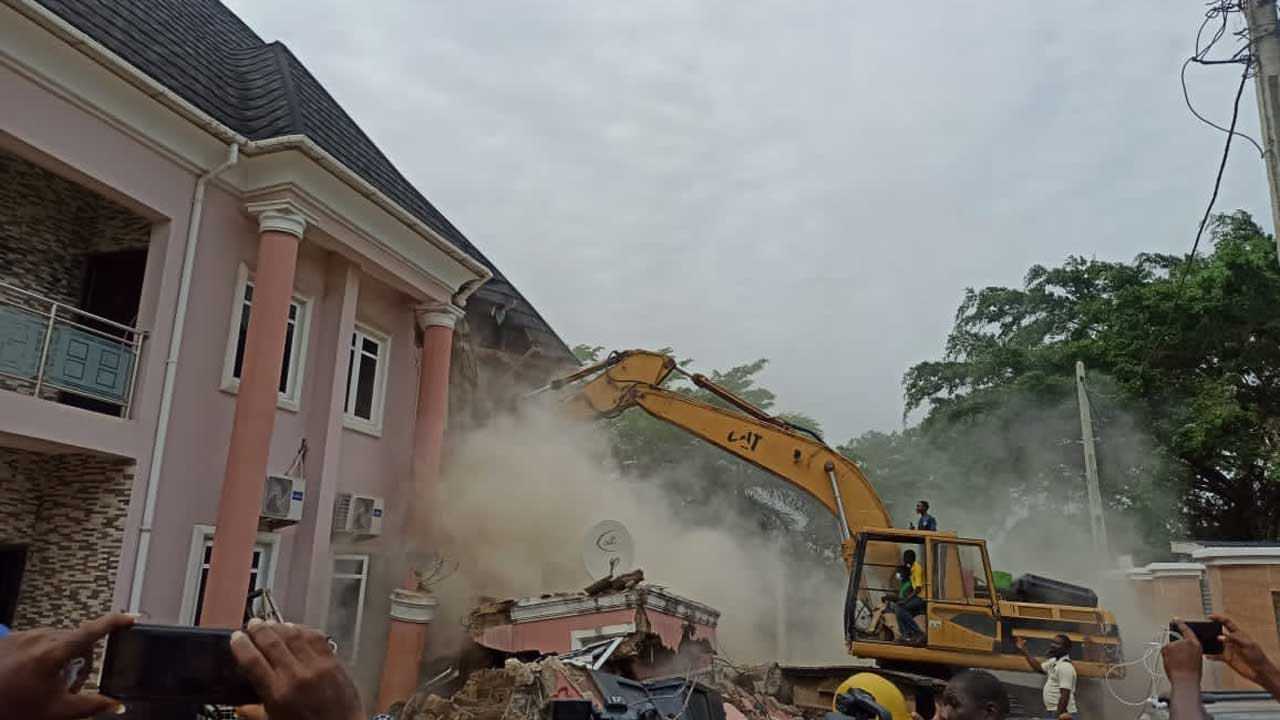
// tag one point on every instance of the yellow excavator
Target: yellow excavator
(968, 621)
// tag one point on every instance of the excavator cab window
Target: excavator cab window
(882, 578)
(959, 573)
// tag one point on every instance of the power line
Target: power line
(1217, 10)
(1186, 97)
(1217, 182)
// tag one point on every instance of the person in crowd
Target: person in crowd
(293, 669)
(926, 521)
(973, 695)
(911, 603)
(1060, 677)
(1184, 666)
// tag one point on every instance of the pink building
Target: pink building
(163, 172)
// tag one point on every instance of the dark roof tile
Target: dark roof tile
(204, 53)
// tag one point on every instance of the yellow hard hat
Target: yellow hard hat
(885, 693)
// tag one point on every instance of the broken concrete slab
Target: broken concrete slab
(562, 623)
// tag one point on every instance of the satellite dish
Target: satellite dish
(607, 549)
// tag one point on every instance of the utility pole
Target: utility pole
(781, 617)
(1264, 45)
(1096, 521)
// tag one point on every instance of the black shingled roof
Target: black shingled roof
(208, 56)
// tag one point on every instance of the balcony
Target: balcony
(64, 354)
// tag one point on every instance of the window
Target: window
(346, 603)
(366, 380)
(960, 575)
(1275, 608)
(885, 572)
(295, 343)
(260, 569)
(882, 574)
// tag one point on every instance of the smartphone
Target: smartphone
(173, 663)
(1206, 631)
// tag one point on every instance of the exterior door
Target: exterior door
(961, 608)
(13, 558)
(89, 361)
(113, 286)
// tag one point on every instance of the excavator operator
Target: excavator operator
(912, 604)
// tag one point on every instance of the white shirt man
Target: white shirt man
(1060, 677)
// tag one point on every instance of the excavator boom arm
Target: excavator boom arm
(633, 379)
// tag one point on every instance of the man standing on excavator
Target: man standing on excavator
(927, 521)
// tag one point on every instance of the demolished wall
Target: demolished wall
(661, 632)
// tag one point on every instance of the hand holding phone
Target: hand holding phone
(174, 664)
(296, 672)
(290, 669)
(1244, 655)
(1183, 657)
(37, 679)
(1207, 632)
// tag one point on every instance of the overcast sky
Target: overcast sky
(811, 182)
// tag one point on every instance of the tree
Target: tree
(1184, 361)
(587, 354)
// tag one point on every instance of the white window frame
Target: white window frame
(363, 577)
(372, 426)
(291, 399)
(201, 535)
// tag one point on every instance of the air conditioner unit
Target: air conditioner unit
(358, 514)
(282, 498)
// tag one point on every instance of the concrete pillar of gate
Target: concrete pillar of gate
(280, 228)
(1175, 590)
(412, 609)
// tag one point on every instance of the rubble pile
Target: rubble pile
(758, 706)
(517, 690)
(524, 654)
(757, 693)
(522, 690)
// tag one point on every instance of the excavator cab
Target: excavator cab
(963, 620)
(957, 611)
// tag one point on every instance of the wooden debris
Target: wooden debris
(615, 584)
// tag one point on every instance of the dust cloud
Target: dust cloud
(1018, 482)
(520, 493)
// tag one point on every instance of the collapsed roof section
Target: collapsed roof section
(565, 622)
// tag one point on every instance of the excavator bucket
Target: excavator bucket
(608, 392)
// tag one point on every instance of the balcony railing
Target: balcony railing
(48, 347)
